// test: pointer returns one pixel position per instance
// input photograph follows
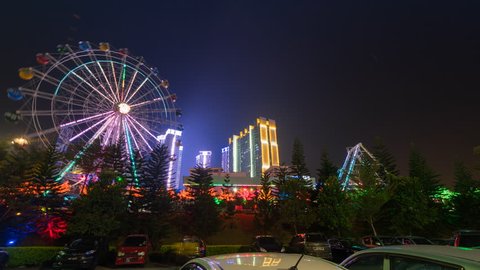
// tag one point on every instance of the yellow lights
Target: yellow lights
(18, 213)
(20, 141)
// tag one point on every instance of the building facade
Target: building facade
(254, 150)
(204, 159)
(172, 139)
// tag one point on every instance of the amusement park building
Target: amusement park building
(254, 150)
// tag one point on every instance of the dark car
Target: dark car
(267, 243)
(466, 238)
(80, 253)
(372, 241)
(315, 244)
(412, 240)
(3, 258)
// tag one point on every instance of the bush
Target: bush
(30, 256)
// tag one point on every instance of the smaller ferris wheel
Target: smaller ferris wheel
(89, 92)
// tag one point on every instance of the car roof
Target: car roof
(434, 252)
(253, 260)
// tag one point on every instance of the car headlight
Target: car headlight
(120, 254)
(90, 252)
(262, 249)
(141, 253)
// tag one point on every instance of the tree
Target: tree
(299, 165)
(266, 214)
(370, 195)
(154, 202)
(467, 200)
(418, 168)
(228, 197)
(385, 159)
(89, 160)
(203, 213)
(333, 209)
(101, 212)
(407, 211)
(327, 169)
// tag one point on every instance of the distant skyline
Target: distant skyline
(332, 73)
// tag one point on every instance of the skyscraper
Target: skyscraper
(204, 159)
(254, 150)
(172, 139)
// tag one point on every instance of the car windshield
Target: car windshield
(267, 241)
(315, 238)
(81, 244)
(135, 241)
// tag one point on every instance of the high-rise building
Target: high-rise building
(172, 139)
(254, 150)
(204, 159)
(226, 159)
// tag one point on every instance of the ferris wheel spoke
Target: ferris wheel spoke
(66, 70)
(107, 80)
(107, 119)
(143, 103)
(131, 83)
(130, 134)
(79, 63)
(56, 83)
(101, 84)
(139, 134)
(90, 118)
(127, 99)
(49, 112)
(93, 87)
(155, 122)
(144, 128)
(110, 131)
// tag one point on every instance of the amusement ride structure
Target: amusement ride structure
(90, 92)
(356, 156)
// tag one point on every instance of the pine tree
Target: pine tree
(467, 201)
(418, 168)
(266, 214)
(327, 170)
(203, 213)
(385, 159)
(299, 166)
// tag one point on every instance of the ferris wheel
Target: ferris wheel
(90, 92)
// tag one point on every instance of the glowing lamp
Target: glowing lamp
(123, 108)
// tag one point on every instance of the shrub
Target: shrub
(30, 256)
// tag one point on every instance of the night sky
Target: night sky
(332, 73)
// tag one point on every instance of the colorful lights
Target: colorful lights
(123, 108)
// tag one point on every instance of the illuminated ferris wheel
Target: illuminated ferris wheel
(90, 92)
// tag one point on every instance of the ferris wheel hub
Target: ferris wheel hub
(123, 108)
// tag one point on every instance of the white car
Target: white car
(260, 260)
(414, 257)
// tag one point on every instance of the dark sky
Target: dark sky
(333, 73)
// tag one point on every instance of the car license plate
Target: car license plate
(318, 248)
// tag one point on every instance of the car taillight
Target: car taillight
(457, 241)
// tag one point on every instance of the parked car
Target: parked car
(81, 253)
(412, 240)
(260, 260)
(3, 258)
(414, 257)
(314, 244)
(466, 238)
(134, 250)
(442, 241)
(267, 243)
(193, 247)
(372, 241)
(340, 249)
